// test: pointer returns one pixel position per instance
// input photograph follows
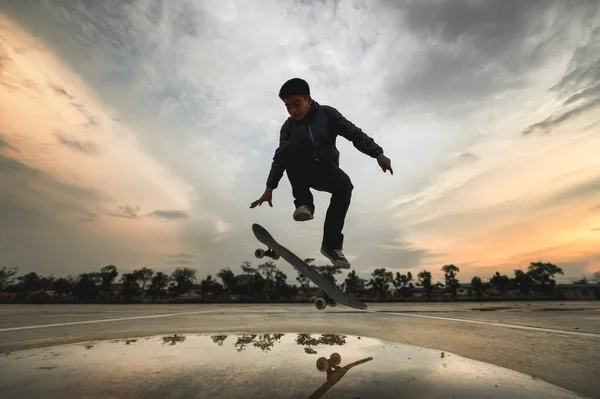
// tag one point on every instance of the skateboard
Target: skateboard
(331, 293)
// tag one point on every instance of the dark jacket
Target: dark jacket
(315, 135)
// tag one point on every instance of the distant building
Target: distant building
(578, 291)
(465, 290)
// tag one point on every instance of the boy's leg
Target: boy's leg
(300, 174)
(330, 178)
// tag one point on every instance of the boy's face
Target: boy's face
(297, 106)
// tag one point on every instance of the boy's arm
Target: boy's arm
(359, 139)
(277, 166)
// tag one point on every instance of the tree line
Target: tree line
(268, 282)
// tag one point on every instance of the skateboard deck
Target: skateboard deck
(333, 293)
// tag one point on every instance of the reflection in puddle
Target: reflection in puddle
(169, 340)
(334, 371)
(266, 341)
(257, 366)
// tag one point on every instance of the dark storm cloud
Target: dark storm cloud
(127, 212)
(169, 215)
(579, 87)
(86, 147)
(471, 49)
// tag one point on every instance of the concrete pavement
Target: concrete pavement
(552, 342)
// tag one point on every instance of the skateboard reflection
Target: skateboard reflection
(334, 372)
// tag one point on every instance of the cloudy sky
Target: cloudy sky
(137, 133)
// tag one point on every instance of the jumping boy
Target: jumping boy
(307, 153)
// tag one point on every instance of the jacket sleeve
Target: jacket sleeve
(277, 165)
(348, 130)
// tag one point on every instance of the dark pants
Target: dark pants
(305, 173)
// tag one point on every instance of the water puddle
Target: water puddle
(286, 365)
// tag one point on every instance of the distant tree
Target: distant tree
(380, 281)
(63, 286)
(425, 282)
(130, 288)
(267, 270)
(158, 285)
(402, 284)
(500, 282)
(182, 280)
(108, 275)
(523, 281)
(144, 275)
(351, 283)
(302, 279)
(212, 287)
(86, 285)
(398, 282)
(584, 280)
(596, 277)
(329, 272)
(247, 268)
(281, 286)
(249, 271)
(542, 275)
(478, 286)
(6, 277)
(217, 289)
(452, 283)
(33, 282)
(228, 278)
(206, 285)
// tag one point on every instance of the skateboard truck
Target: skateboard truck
(323, 300)
(260, 253)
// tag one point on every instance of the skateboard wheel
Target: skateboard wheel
(322, 364)
(275, 256)
(320, 303)
(335, 359)
(259, 253)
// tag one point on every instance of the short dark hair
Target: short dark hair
(294, 86)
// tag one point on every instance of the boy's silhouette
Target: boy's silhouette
(307, 153)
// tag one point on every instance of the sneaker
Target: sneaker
(303, 213)
(336, 256)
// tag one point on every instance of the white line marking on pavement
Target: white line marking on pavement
(491, 323)
(103, 320)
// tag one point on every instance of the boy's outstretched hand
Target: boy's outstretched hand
(385, 163)
(267, 196)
